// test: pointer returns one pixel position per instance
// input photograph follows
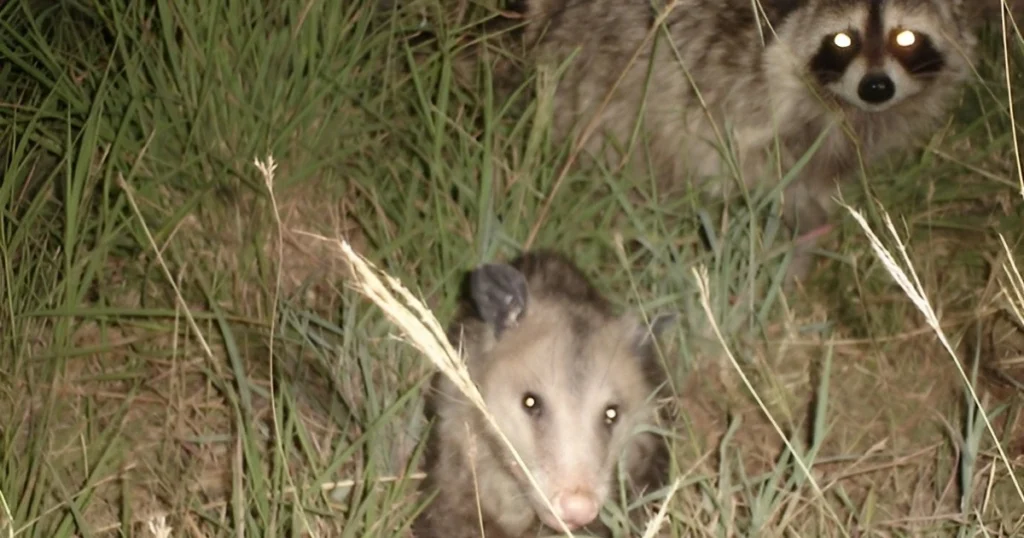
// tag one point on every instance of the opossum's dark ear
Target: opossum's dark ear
(646, 334)
(499, 293)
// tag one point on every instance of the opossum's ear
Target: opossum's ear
(499, 293)
(646, 334)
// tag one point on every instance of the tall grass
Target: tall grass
(184, 362)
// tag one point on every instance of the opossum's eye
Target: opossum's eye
(531, 403)
(611, 414)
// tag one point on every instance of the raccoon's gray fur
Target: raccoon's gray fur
(874, 73)
(569, 382)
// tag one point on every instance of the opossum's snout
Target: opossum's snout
(569, 448)
(577, 508)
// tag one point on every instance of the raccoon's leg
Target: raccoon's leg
(808, 218)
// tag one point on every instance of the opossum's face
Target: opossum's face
(567, 387)
(876, 54)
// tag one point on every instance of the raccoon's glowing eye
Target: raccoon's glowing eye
(611, 414)
(906, 38)
(842, 40)
(531, 403)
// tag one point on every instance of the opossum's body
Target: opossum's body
(720, 79)
(570, 384)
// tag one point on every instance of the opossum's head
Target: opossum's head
(569, 385)
(876, 54)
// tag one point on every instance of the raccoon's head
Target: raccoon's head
(568, 385)
(876, 54)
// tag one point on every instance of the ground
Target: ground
(185, 351)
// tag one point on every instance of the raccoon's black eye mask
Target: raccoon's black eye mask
(834, 55)
(915, 51)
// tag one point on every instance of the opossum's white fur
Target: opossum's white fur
(570, 384)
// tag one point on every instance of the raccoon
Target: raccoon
(766, 78)
(571, 384)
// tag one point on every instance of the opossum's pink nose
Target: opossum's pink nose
(577, 509)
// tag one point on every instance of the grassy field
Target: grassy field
(182, 358)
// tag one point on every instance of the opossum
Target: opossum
(574, 387)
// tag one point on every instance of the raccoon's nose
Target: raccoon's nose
(577, 509)
(876, 88)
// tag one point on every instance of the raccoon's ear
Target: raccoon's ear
(980, 12)
(644, 335)
(499, 293)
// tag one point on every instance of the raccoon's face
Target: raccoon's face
(876, 54)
